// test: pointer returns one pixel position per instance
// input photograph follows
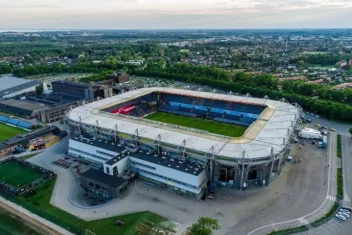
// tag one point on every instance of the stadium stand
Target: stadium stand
(15, 122)
(221, 110)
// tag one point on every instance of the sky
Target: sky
(174, 14)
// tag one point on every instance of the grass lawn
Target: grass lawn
(207, 125)
(12, 224)
(41, 202)
(7, 132)
(25, 157)
(318, 66)
(15, 174)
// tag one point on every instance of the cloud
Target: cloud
(174, 13)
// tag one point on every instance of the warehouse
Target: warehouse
(13, 86)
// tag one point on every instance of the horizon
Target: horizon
(2, 30)
(172, 14)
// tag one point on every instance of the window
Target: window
(107, 170)
(90, 184)
(141, 164)
(166, 178)
(105, 153)
(115, 171)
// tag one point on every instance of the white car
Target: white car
(340, 217)
(345, 211)
(346, 208)
(344, 215)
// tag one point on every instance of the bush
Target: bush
(339, 146)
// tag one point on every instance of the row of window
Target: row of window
(105, 153)
(97, 187)
(90, 154)
(141, 164)
(166, 178)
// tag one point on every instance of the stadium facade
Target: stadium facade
(113, 134)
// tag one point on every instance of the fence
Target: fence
(36, 210)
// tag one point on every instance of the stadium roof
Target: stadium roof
(268, 135)
(10, 84)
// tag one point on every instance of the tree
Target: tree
(39, 90)
(204, 226)
(350, 130)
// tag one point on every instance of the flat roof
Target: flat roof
(10, 84)
(24, 104)
(170, 162)
(106, 179)
(266, 136)
(100, 144)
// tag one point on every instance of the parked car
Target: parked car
(347, 208)
(345, 211)
(340, 217)
(332, 129)
(344, 215)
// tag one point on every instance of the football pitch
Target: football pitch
(206, 125)
(7, 132)
(16, 174)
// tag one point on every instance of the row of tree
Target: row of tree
(316, 90)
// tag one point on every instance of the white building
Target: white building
(180, 175)
(13, 86)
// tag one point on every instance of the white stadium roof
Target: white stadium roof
(269, 133)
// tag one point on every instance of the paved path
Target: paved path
(335, 226)
(305, 198)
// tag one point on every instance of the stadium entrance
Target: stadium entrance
(227, 174)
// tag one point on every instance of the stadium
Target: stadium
(185, 140)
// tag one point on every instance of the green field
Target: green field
(40, 202)
(16, 174)
(12, 224)
(7, 132)
(206, 125)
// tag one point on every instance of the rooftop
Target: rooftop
(180, 164)
(10, 84)
(24, 104)
(106, 179)
(100, 144)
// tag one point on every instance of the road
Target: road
(341, 128)
(335, 226)
(309, 194)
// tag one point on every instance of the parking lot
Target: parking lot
(305, 191)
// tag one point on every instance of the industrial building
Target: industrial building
(184, 159)
(53, 106)
(99, 184)
(13, 86)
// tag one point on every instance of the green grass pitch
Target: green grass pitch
(7, 132)
(207, 125)
(16, 174)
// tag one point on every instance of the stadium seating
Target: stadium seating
(15, 122)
